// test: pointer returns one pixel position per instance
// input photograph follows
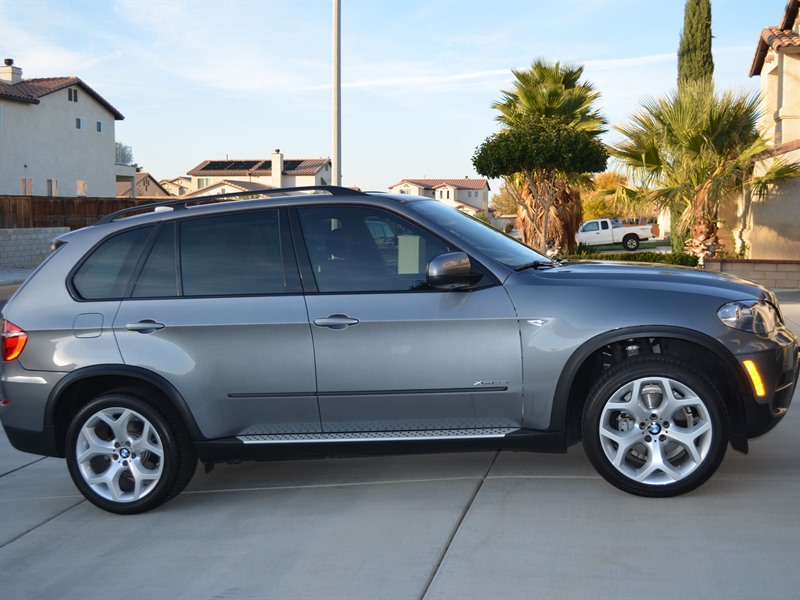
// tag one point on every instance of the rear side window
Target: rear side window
(106, 272)
(227, 255)
(237, 254)
(159, 275)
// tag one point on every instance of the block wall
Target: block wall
(26, 248)
(773, 274)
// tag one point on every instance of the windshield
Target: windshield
(479, 235)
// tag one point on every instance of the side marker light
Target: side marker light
(755, 377)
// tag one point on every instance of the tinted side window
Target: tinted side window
(107, 270)
(360, 249)
(235, 254)
(159, 277)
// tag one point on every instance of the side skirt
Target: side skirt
(372, 443)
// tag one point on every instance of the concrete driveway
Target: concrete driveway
(482, 525)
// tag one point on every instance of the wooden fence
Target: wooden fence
(27, 212)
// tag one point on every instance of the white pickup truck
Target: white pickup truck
(599, 232)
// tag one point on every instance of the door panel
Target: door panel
(392, 353)
(229, 328)
(244, 365)
(444, 360)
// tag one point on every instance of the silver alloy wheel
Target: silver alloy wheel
(655, 430)
(120, 454)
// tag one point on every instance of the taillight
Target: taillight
(14, 340)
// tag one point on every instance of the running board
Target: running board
(378, 436)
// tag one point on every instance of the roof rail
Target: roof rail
(182, 203)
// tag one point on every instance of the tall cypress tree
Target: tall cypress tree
(695, 62)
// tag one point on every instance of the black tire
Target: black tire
(126, 456)
(630, 242)
(653, 426)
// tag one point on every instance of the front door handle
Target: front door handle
(335, 322)
(145, 326)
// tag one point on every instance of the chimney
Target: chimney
(277, 168)
(9, 73)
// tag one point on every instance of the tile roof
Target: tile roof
(30, 90)
(462, 184)
(779, 38)
(259, 167)
(123, 189)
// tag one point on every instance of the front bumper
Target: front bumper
(778, 369)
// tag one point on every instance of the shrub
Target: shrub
(671, 258)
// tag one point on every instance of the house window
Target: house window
(203, 182)
(72, 95)
(81, 189)
(80, 123)
(405, 192)
(52, 187)
(101, 127)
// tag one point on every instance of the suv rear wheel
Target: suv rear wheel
(653, 426)
(125, 456)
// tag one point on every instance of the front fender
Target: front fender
(572, 386)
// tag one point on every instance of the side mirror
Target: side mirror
(451, 271)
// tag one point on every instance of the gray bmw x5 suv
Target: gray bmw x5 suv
(348, 323)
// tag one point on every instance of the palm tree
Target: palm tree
(550, 91)
(691, 150)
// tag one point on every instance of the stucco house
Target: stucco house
(771, 229)
(469, 195)
(229, 186)
(146, 187)
(56, 137)
(275, 171)
(177, 186)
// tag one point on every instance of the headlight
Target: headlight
(754, 316)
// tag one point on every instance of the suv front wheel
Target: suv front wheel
(652, 426)
(127, 457)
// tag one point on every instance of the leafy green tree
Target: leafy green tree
(504, 202)
(554, 91)
(599, 199)
(695, 61)
(690, 150)
(548, 155)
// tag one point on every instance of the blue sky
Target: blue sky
(201, 80)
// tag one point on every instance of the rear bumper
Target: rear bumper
(34, 442)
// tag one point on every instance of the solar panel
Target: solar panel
(230, 165)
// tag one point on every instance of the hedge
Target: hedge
(686, 260)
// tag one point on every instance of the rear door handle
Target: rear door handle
(336, 322)
(145, 326)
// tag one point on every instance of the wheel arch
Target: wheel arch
(704, 353)
(79, 387)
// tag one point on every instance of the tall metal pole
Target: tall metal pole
(336, 159)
